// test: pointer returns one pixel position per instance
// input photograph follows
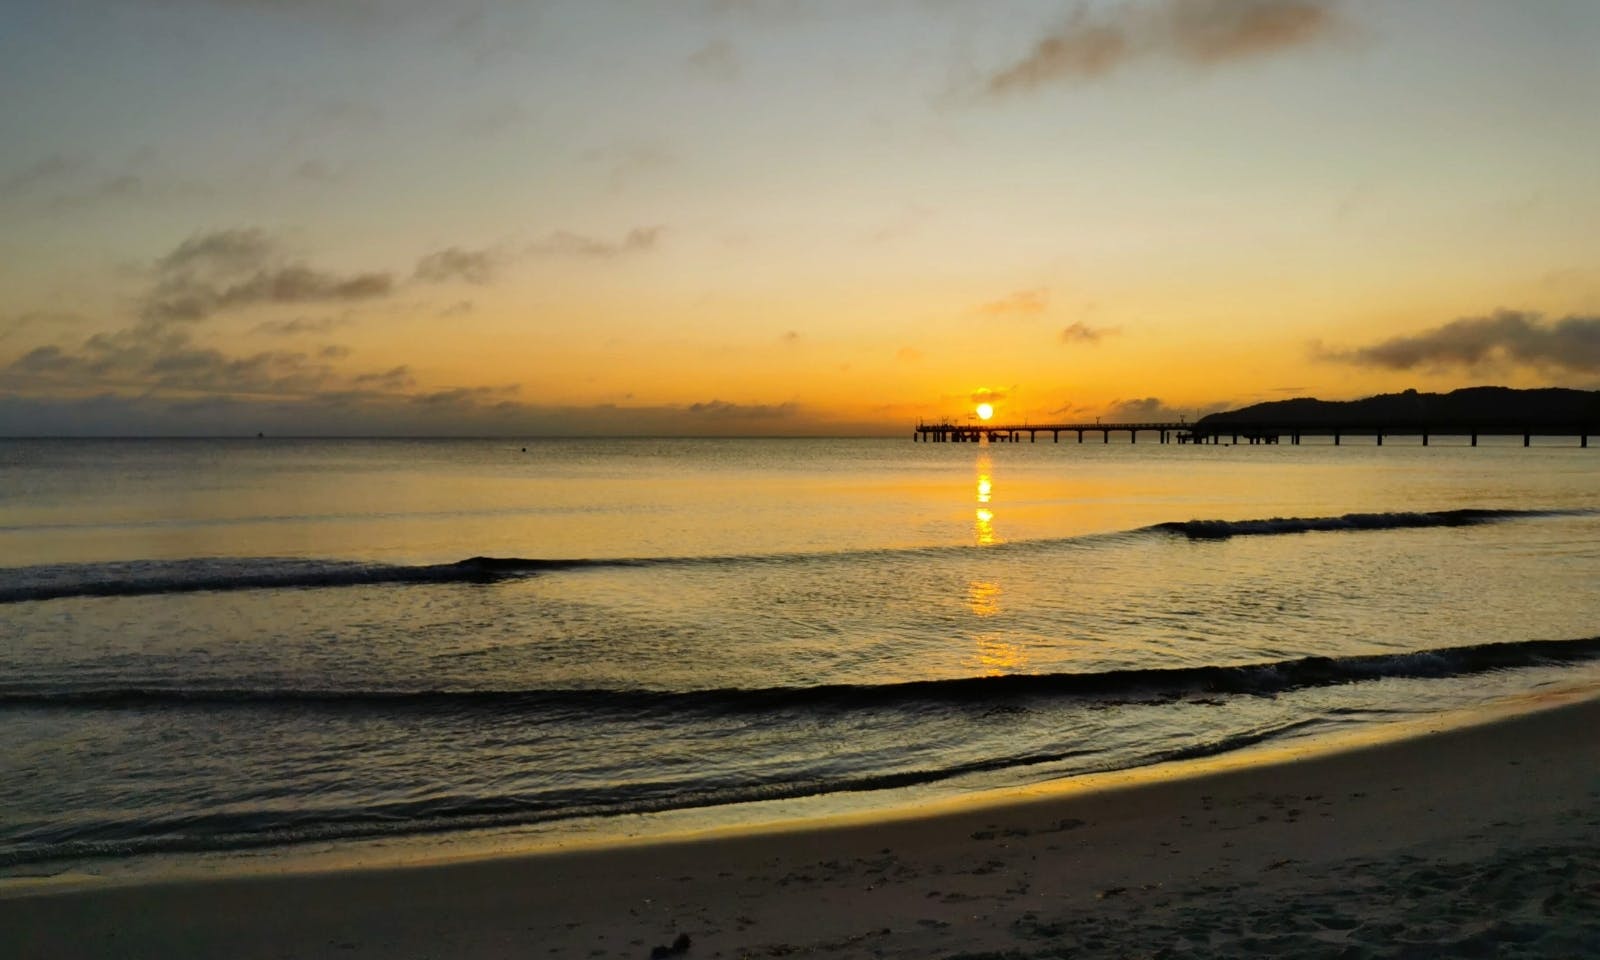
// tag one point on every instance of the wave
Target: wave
(1224, 529)
(142, 578)
(1112, 686)
(147, 577)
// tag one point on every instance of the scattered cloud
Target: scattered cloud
(495, 119)
(1504, 337)
(790, 336)
(723, 410)
(456, 264)
(626, 162)
(32, 319)
(1154, 409)
(394, 379)
(299, 325)
(242, 268)
(315, 171)
(1083, 333)
(717, 60)
(1020, 304)
(565, 244)
(52, 169)
(200, 277)
(987, 395)
(1091, 43)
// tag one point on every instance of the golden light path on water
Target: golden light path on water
(994, 654)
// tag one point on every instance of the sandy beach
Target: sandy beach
(1476, 840)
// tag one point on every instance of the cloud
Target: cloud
(223, 250)
(1092, 44)
(201, 276)
(17, 323)
(987, 395)
(468, 396)
(394, 379)
(1506, 336)
(565, 244)
(242, 268)
(54, 168)
(1021, 303)
(1154, 409)
(490, 411)
(790, 336)
(300, 284)
(717, 60)
(454, 263)
(723, 410)
(1083, 333)
(299, 325)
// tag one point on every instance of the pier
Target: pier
(1252, 433)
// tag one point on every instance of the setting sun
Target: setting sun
(985, 411)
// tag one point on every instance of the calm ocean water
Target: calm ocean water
(236, 648)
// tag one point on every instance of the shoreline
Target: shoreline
(1182, 847)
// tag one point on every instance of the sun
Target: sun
(985, 411)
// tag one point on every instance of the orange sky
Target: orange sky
(764, 217)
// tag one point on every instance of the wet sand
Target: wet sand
(1481, 840)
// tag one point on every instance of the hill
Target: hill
(1483, 407)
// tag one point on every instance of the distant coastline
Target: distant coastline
(1486, 408)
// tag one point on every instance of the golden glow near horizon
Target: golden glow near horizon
(714, 237)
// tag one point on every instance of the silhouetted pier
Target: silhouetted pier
(947, 431)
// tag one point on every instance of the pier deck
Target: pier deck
(946, 431)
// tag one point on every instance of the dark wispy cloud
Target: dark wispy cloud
(241, 268)
(297, 326)
(1154, 409)
(565, 244)
(724, 410)
(1505, 336)
(717, 60)
(35, 319)
(203, 276)
(53, 169)
(457, 264)
(487, 411)
(1083, 333)
(395, 379)
(1023, 303)
(987, 395)
(1094, 42)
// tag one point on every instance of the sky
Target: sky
(784, 217)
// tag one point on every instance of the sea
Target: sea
(264, 653)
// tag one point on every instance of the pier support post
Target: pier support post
(1380, 438)
(1105, 436)
(1336, 438)
(1424, 438)
(1527, 438)
(1474, 438)
(1583, 440)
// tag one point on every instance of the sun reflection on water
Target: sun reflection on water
(983, 517)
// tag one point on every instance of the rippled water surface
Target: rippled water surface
(224, 646)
